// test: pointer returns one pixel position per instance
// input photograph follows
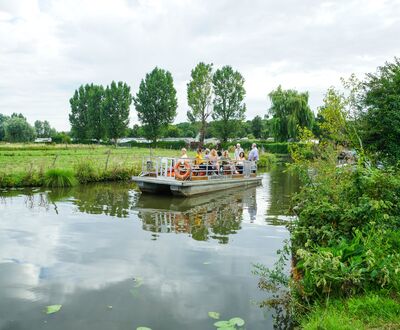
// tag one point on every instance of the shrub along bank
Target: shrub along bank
(345, 245)
(59, 177)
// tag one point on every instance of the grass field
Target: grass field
(26, 164)
(16, 158)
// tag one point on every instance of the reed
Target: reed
(57, 177)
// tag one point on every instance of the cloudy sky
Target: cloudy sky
(50, 47)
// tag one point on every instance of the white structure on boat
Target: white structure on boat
(183, 177)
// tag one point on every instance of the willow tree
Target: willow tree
(228, 103)
(199, 95)
(289, 110)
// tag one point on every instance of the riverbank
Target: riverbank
(344, 246)
(28, 165)
(24, 165)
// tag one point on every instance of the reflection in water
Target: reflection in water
(214, 217)
(63, 246)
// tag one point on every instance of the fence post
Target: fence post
(54, 161)
(108, 157)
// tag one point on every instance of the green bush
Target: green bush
(177, 145)
(59, 178)
(267, 161)
(86, 172)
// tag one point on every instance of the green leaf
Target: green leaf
(52, 309)
(237, 321)
(228, 327)
(222, 324)
(214, 315)
(143, 328)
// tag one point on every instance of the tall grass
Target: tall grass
(58, 177)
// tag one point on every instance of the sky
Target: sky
(48, 48)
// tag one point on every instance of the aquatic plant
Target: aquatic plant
(59, 178)
(51, 309)
(232, 324)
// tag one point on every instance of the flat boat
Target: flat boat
(183, 177)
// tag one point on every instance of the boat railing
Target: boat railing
(193, 169)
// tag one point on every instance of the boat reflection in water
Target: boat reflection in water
(214, 216)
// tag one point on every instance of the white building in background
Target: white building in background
(43, 140)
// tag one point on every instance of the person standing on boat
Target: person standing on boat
(238, 150)
(253, 155)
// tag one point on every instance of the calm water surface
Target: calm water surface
(116, 259)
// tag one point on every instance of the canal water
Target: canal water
(117, 259)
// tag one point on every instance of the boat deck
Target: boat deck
(157, 177)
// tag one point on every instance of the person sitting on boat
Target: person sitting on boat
(253, 155)
(207, 153)
(199, 157)
(227, 164)
(213, 158)
(184, 153)
(240, 162)
(238, 150)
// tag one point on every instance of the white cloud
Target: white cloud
(48, 48)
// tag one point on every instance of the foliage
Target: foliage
(59, 178)
(199, 95)
(17, 129)
(267, 161)
(52, 309)
(376, 311)
(97, 121)
(78, 117)
(3, 120)
(289, 110)
(228, 101)
(43, 129)
(86, 172)
(232, 324)
(175, 145)
(257, 127)
(333, 118)
(115, 109)
(156, 102)
(381, 116)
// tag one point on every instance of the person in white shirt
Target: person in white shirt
(238, 150)
(253, 155)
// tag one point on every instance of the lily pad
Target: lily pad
(143, 328)
(52, 309)
(237, 321)
(214, 315)
(223, 324)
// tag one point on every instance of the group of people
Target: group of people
(215, 160)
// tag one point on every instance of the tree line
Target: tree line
(16, 128)
(368, 108)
